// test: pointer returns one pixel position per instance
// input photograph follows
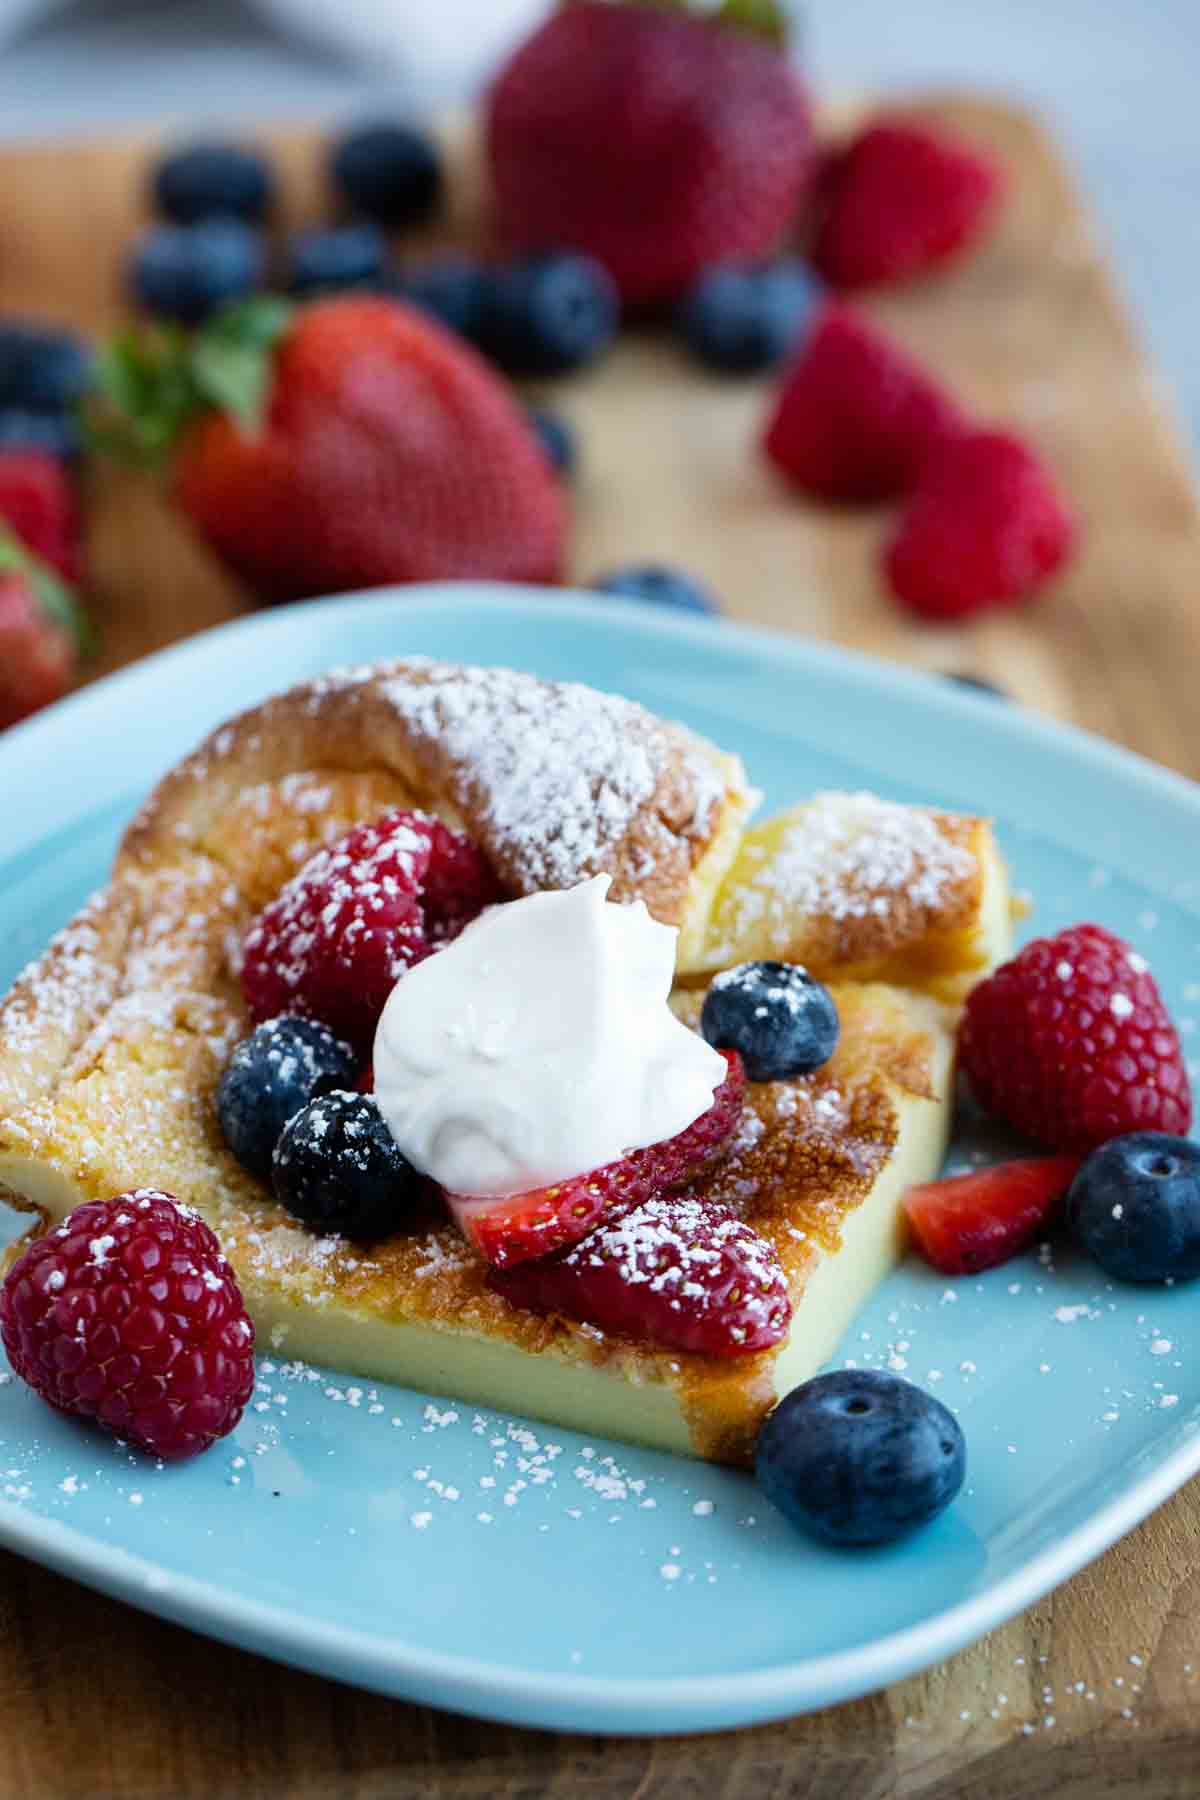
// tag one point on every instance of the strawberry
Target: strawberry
(656, 141)
(855, 418)
(41, 633)
(678, 1270)
(899, 200)
(342, 444)
(1071, 1043)
(38, 504)
(971, 1222)
(511, 1228)
(986, 526)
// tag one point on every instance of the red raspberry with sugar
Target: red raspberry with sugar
(127, 1313)
(360, 912)
(1071, 1043)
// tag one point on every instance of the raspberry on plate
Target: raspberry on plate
(678, 1270)
(358, 914)
(986, 526)
(1071, 1043)
(899, 200)
(128, 1314)
(512, 1228)
(855, 418)
(976, 1221)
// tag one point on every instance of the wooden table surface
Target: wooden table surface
(1096, 1691)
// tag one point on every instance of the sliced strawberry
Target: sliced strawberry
(972, 1222)
(678, 1270)
(511, 1228)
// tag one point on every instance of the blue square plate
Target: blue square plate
(413, 1546)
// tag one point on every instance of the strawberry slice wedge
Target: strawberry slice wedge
(971, 1222)
(512, 1228)
(678, 1270)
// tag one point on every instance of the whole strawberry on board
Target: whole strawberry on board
(658, 136)
(343, 444)
(42, 632)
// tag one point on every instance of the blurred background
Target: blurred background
(1118, 82)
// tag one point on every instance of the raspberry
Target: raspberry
(511, 1228)
(358, 914)
(37, 657)
(129, 1314)
(898, 200)
(985, 527)
(1070, 1043)
(37, 502)
(855, 418)
(679, 1270)
(975, 1221)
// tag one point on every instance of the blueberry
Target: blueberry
(860, 1457)
(58, 434)
(556, 438)
(742, 318)
(337, 1167)
(550, 315)
(328, 261)
(961, 678)
(272, 1074)
(42, 369)
(204, 181)
(187, 272)
(661, 585)
(1135, 1207)
(453, 289)
(389, 173)
(775, 1014)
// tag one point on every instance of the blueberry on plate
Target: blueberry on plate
(556, 438)
(338, 1168)
(42, 369)
(453, 289)
(741, 318)
(188, 272)
(327, 262)
(860, 1457)
(1135, 1207)
(389, 173)
(204, 181)
(550, 314)
(270, 1077)
(781, 1020)
(55, 433)
(661, 585)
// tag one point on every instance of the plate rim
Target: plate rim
(573, 1700)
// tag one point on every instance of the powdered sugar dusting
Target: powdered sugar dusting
(854, 856)
(555, 771)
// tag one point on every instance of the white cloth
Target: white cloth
(445, 39)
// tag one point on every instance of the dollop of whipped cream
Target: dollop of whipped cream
(539, 1044)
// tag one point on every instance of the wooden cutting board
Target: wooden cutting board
(1095, 1692)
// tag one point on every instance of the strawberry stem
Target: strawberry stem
(761, 18)
(151, 384)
